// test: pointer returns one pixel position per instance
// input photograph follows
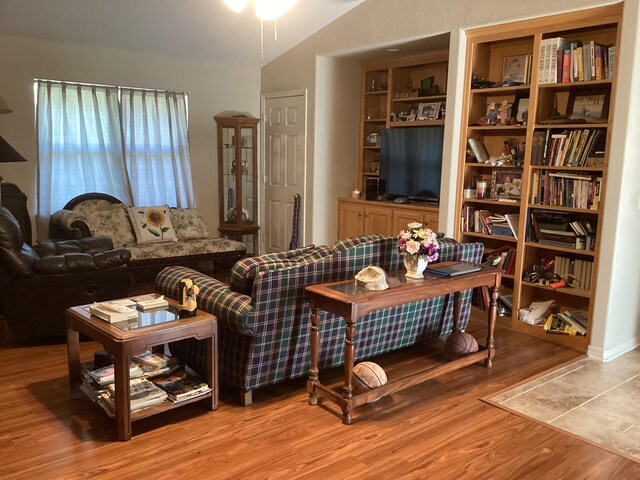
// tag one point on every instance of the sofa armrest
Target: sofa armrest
(234, 310)
(82, 262)
(68, 224)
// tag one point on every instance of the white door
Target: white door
(284, 167)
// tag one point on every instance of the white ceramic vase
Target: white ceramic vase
(415, 265)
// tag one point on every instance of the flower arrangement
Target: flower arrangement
(418, 240)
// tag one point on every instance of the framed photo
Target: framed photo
(499, 112)
(591, 106)
(521, 109)
(428, 111)
(513, 69)
(506, 183)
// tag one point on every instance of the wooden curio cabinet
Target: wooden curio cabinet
(237, 177)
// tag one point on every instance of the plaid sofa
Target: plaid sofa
(264, 316)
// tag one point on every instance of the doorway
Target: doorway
(285, 137)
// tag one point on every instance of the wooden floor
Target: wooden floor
(440, 429)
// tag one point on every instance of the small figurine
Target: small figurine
(188, 306)
(503, 115)
(492, 115)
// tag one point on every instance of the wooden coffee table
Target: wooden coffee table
(346, 299)
(124, 344)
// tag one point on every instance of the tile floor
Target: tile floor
(594, 400)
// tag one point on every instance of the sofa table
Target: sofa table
(123, 344)
(353, 302)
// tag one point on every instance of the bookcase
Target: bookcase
(396, 93)
(537, 112)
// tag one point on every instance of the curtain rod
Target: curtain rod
(106, 85)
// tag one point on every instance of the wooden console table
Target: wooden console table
(353, 302)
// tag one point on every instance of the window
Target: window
(130, 143)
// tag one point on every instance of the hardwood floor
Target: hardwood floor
(439, 429)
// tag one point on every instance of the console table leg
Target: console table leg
(346, 417)
(456, 311)
(493, 308)
(314, 335)
(349, 354)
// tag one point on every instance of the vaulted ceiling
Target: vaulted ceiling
(198, 29)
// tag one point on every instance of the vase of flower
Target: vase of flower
(415, 265)
(418, 246)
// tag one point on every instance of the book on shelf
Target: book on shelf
(479, 150)
(112, 312)
(182, 386)
(555, 324)
(150, 301)
(513, 219)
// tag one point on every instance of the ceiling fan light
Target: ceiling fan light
(272, 9)
(236, 5)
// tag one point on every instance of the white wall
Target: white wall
(379, 22)
(212, 89)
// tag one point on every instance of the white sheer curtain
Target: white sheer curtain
(154, 125)
(79, 146)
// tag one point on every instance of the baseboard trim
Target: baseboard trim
(614, 352)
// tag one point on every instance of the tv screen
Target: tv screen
(411, 162)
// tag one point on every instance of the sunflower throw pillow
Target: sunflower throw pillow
(152, 224)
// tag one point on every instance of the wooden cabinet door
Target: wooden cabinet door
(431, 220)
(350, 220)
(378, 220)
(403, 217)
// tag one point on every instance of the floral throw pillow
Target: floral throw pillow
(152, 224)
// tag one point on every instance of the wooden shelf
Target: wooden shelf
(502, 238)
(429, 98)
(416, 123)
(564, 290)
(564, 209)
(568, 86)
(492, 91)
(496, 128)
(575, 251)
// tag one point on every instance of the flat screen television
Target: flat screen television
(411, 162)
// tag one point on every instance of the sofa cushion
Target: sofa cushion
(188, 223)
(109, 220)
(245, 271)
(152, 224)
(185, 248)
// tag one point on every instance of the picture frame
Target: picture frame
(506, 183)
(588, 105)
(428, 111)
(521, 109)
(513, 69)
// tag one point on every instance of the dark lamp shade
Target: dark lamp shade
(8, 153)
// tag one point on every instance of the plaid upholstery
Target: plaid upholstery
(264, 337)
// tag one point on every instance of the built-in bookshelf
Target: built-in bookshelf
(396, 93)
(538, 105)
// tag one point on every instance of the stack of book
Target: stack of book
(502, 257)
(182, 386)
(156, 364)
(98, 384)
(567, 323)
(113, 312)
(561, 230)
(150, 302)
(562, 60)
(489, 223)
(143, 394)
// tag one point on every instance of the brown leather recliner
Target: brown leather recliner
(37, 284)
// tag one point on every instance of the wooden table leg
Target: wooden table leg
(314, 335)
(491, 320)
(212, 362)
(123, 399)
(73, 359)
(349, 354)
(456, 311)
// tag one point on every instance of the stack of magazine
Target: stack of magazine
(154, 379)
